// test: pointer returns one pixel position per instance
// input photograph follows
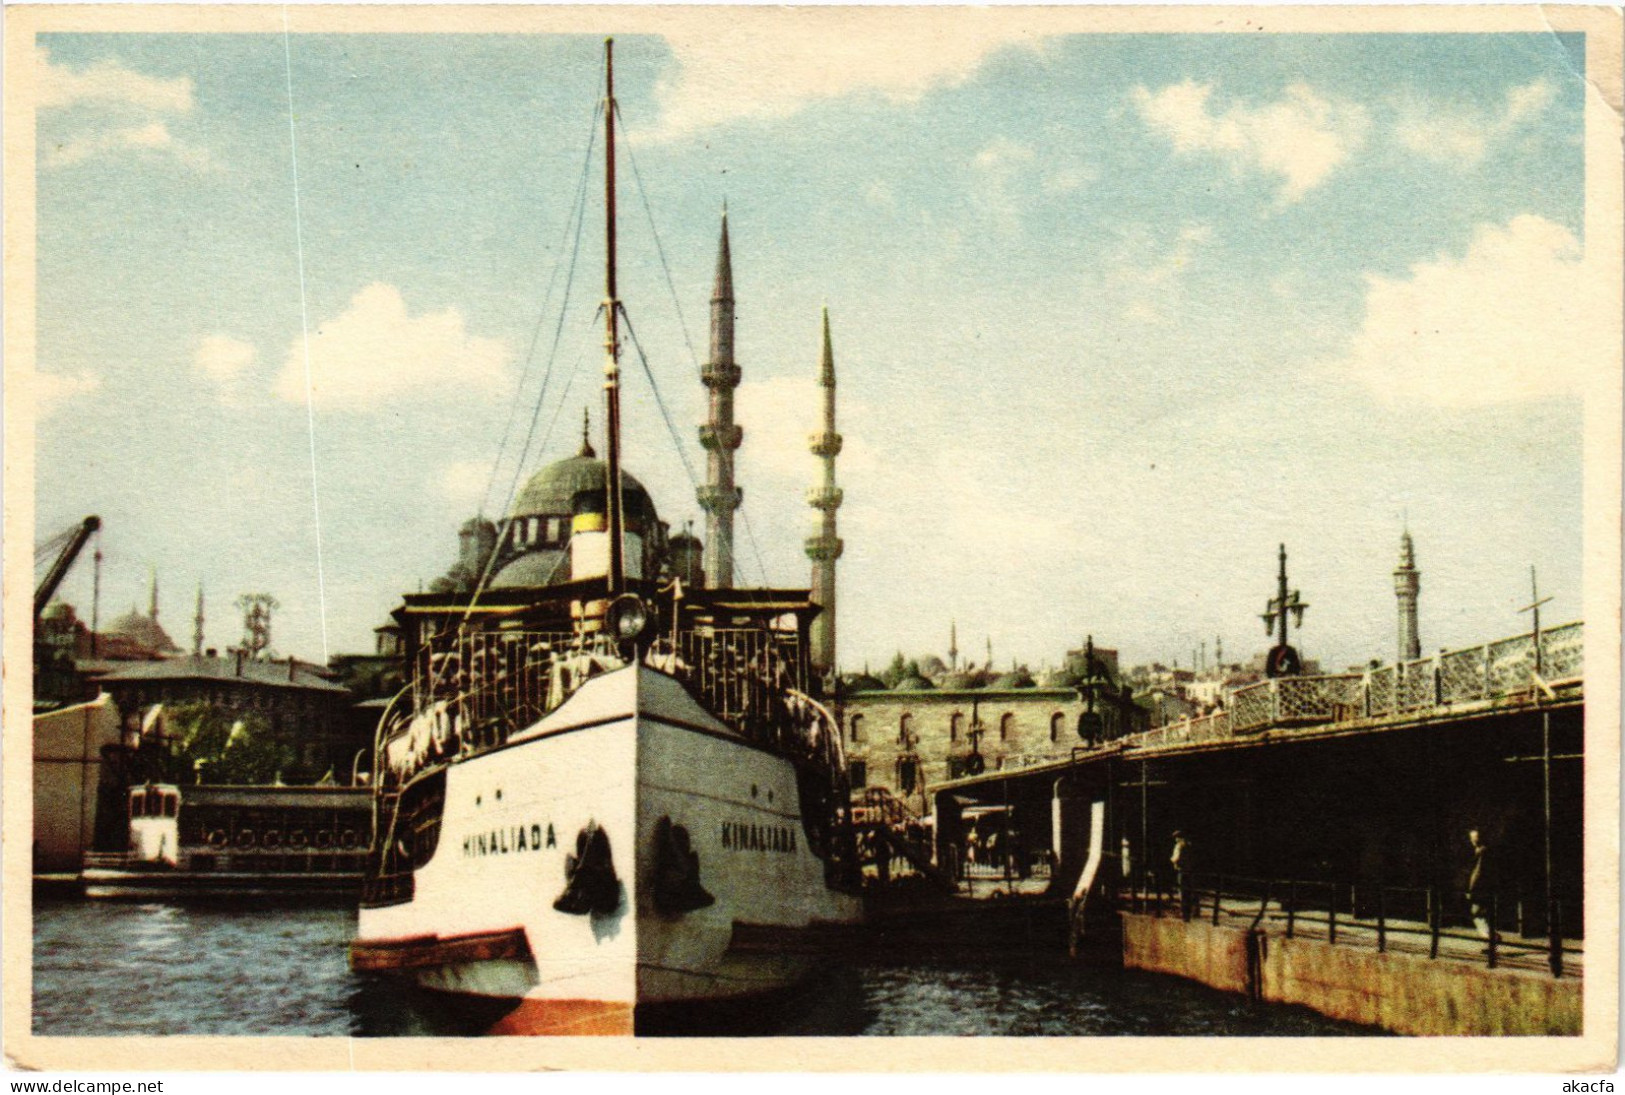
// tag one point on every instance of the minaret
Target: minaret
(719, 436)
(1407, 584)
(953, 645)
(825, 548)
(152, 602)
(197, 625)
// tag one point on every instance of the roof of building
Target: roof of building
(963, 679)
(1016, 678)
(538, 567)
(552, 491)
(282, 674)
(913, 683)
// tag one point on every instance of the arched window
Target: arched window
(1007, 723)
(1084, 729)
(856, 726)
(956, 723)
(1056, 722)
(905, 730)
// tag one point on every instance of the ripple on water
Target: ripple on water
(113, 968)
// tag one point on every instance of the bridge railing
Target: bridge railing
(1497, 930)
(1490, 670)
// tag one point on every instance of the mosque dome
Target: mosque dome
(963, 679)
(552, 491)
(863, 682)
(1016, 678)
(535, 550)
(144, 631)
(532, 569)
(914, 683)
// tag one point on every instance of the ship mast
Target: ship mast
(616, 578)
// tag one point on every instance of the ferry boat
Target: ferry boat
(235, 842)
(611, 795)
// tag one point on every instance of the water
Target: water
(112, 968)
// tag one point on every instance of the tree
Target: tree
(896, 671)
(213, 747)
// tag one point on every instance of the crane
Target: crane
(59, 569)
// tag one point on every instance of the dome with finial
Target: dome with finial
(914, 683)
(1016, 678)
(960, 680)
(552, 491)
(143, 631)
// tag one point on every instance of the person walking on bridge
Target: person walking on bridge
(1480, 886)
(1181, 861)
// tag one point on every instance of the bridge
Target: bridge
(1357, 786)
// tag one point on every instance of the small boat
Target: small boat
(606, 796)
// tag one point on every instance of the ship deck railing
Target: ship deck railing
(236, 861)
(477, 690)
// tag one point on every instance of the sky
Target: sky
(1113, 316)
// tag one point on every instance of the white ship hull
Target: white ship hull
(632, 753)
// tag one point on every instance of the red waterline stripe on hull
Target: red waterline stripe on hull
(419, 951)
(568, 1018)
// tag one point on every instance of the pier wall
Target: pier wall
(1406, 994)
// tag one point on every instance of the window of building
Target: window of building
(1007, 722)
(858, 770)
(856, 728)
(955, 724)
(905, 730)
(908, 772)
(1056, 722)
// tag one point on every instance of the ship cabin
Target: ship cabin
(154, 810)
(483, 668)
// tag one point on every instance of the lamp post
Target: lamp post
(1283, 660)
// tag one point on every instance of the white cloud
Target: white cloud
(108, 83)
(464, 483)
(1302, 137)
(375, 351)
(53, 391)
(1149, 272)
(780, 413)
(998, 169)
(124, 106)
(798, 56)
(1068, 177)
(1464, 136)
(1522, 315)
(223, 359)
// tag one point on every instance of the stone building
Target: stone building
(914, 735)
(71, 745)
(303, 707)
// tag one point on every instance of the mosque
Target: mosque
(531, 546)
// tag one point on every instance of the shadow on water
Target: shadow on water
(383, 1007)
(1002, 997)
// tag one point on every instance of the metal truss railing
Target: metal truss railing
(1505, 667)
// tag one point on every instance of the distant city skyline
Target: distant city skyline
(1113, 316)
